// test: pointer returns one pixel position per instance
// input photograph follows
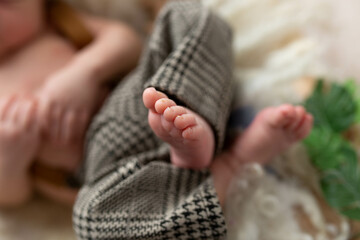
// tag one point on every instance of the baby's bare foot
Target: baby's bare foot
(189, 135)
(273, 131)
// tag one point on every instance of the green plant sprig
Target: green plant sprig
(335, 110)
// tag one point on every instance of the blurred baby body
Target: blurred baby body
(26, 69)
(23, 74)
(49, 90)
(30, 53)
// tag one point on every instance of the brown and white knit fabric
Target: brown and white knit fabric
(131, 190)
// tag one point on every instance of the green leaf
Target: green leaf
(351, 86)
(357, 115)
(354, 90)
(326, 148)
(341, 186)
(334, 109)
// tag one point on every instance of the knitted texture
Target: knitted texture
(131, 190)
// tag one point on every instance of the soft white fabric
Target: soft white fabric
(271, 48)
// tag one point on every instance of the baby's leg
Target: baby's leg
(19, 139)
(189, 135)
(273, 131)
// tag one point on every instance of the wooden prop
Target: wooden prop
(68, 23)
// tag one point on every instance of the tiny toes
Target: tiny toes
(288, 111)
(192, 133)
(167, 125)
(184, 121)
(282, 115)
(300, 114)
(171, 113)
(162, 104)
(287, 114)
(150, 96)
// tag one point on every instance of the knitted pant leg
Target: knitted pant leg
(131, 191)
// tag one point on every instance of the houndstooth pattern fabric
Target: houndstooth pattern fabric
(131, 190)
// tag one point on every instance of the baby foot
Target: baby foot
(19, 139)
(189, 135)
(273, 131)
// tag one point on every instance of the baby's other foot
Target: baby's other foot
(189, 135)
(273, 131)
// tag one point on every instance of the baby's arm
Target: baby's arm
(71, 95)
(115, 50)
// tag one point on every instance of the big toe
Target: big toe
(282, 115)
(151, 96)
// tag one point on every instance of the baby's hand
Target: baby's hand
(19, 133)
(67, 102)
